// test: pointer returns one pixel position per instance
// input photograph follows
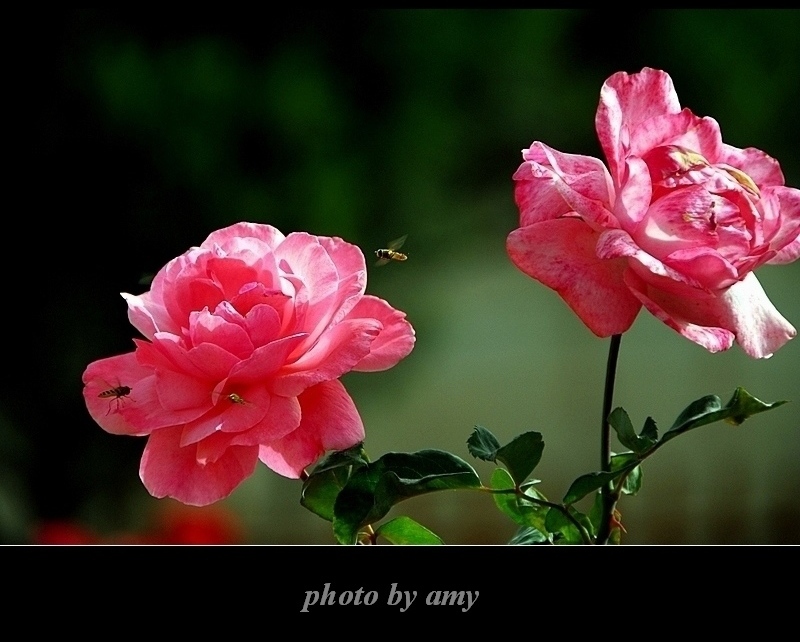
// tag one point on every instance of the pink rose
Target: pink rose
(677, 223)
(247, 336)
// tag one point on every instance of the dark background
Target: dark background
(143, 132)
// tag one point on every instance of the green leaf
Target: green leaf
(354, 456)
(585, 484)
(563, 530)
(522, 512)
(373, 489)
(743, 405)
(596, 513)
(527, 535)
(357, 505)
(521, 455)
(621, 423)
(709, 409)
(320, 490)
(482, 444)
(633, 481)
(404, 530)
(650, 430)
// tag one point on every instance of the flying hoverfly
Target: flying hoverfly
(233, 398)
(118, 393)
(390, 253)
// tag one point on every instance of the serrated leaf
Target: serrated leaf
(520, 511)
(744, 405)
(321, 489)
(521, 455)
(482, 444)
(649, 430)
(404, 530)
(373, 489)
(709, 409)
(621, 423)
(527, 535)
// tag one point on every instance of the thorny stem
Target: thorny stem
(607, 493)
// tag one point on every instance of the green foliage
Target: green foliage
(523, 512)
(374, 488)
(709, 409)
(520, 456)
(528, 535)
(404, 530)
(482, 444)
(621, 423)
(632, 482)
(353, 493)
(329, 476)
(589, 482)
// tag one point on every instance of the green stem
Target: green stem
(607, 492)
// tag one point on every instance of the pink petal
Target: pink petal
(337, 352)
(263, 324)
(394, 341)
(236, 236)
(167, 470)
(761, 167)
(561, 254)
(713, 339)
(581, 182)
(789, 253)
(615, 244)
(227, 415)
(626, 100)
(283, 417)
(302, 256)
(330, 421)
(684, 129)
(205, 327)
(634, 195)
(205, 361)
(742, 311)
(711, 270)
(147, 316)
(781, 211)
(120, 394)
(267, 360)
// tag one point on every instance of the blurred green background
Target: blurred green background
(148, 131)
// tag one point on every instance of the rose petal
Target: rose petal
(329, 421)
(167, 470)
(395, 339)
(336, 353)
(561, 254)
(626, 100)
(120, 393)
(743, 311)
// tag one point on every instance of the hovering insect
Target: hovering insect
(390, 253)
(233, 398)
(117, 394)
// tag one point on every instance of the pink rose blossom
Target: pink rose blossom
(246, 338)
(677, 223)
